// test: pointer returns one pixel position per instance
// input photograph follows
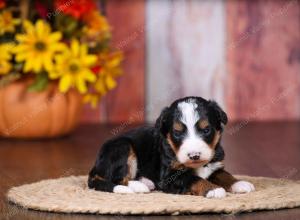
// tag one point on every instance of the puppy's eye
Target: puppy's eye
(206, 130)
(178, 127)
(203, 124)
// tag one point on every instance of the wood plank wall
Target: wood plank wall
(185, 52)
(263, 59)
(243, 53)
(258, 78)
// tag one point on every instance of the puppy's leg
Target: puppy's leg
(129, 180)
(205, 188)
(98, 182)
(184, 182)
(115, 169)
(231, 184)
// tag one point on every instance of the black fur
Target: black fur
(155, 157)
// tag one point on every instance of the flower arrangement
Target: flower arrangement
(66, 41)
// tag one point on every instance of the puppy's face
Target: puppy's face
(192, 127)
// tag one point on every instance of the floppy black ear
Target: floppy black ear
(221, 115)
(161, 122)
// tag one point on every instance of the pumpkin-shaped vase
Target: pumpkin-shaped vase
(27, 114)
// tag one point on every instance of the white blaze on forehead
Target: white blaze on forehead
(192, 142)
(189, 115)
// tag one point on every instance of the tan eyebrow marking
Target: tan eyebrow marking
(178, 126)
(203, 124)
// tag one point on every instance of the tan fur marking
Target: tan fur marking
(203, 124)
(175, 165)
(169, 140)
(131, 155)
(178, 126)
(201, 187)
(131, 161)
(97, 177)
(223, 178)
(216, 140)
(125, 180)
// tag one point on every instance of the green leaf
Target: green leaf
(68, 25)
(40, 83)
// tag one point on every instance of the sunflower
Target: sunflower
(7, 22)
(5, 57)
(107, 69)
(73, 67)
(111, 68)
(38, 46)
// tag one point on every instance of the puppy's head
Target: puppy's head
(192, 127)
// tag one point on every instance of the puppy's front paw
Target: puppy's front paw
(138, 187)
(147, 182)
(216, 193)
(242, 187)
(122, 189)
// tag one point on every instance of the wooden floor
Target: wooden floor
(260, 149)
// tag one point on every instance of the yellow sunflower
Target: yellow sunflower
(5, 57)
(38, 46)
(8, 22)
(73, 67)
(111, 68)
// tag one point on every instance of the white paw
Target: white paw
(242, 187)
(147, 182)
(122, 189)
(216, 193)
(138, 187)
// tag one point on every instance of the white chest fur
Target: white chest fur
(206, 171)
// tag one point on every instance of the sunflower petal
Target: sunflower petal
(110, 82)
(89, 76)
(42, 29)
(56, 36)
(89, 60)
(80, 84)
(65, 83)
(28, 66)
(75, 48)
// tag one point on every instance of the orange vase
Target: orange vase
(26, 114)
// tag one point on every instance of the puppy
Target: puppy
(181, 154)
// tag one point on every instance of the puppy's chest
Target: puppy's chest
(205, 171)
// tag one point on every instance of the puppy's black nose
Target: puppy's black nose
(194, 155)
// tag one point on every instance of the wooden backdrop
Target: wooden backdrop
(245, 54)
(263, 59)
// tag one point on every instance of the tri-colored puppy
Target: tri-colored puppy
(181, 154)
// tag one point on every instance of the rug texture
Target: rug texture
(71, 195)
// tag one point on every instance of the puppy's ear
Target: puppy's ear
(221, 115)
(161, 122)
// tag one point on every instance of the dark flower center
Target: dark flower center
(74, 68)
(41, 46)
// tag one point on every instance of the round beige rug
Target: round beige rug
(71, 195)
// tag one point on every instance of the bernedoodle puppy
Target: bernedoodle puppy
(181, 154)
